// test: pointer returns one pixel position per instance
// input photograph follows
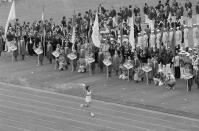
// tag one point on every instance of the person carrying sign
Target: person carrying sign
(49, 52)
(57, 57)
(15, 52)
(22, 48)
(40, 56)
(116, 63)
(100, 61)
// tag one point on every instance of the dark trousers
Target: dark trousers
(22, 57)
(177, 72)
(190, 83)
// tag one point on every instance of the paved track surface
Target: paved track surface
(26, 109)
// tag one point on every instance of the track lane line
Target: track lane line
(79, 98)
(56, 117)
(61, 114)
(5, 120)
(76, 109)
(105, 108)
(2, 114)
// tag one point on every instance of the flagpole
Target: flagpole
(43, 31)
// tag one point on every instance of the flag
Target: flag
(43, 30)
(42, 15)
(95, 34)
(73, 33)
(131, 35)
(11, 16)
(43, 20)
(73, 39)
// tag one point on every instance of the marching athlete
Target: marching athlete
(87, 98)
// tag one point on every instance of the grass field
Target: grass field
(29, 10)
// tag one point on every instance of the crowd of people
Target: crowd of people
(162, 52)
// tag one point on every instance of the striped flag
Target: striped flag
(95, 34)
(131, 35)
(73, 33)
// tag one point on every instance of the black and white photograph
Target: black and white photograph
(99, 65)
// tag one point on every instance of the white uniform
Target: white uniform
(145, 40)
(195, 36)
(186, 37)
(178, 37)
(158, 39)
(170, 37)
(152, 40)
(140, 40)
(165, 38)
(88, 97)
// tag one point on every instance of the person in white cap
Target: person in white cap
(186, 36)
(178, 37)
(158, 38)
(165, 38)
(195, 35)
(152, 39)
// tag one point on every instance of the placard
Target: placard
(89, 60)
(38, 51)
(146, 69)
(128, 65)
(187, 76)
(13, 47)
(55, 54)
(107, 62)
(72, 56)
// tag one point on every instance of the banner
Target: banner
(96, 35)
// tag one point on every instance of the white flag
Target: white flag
(131, 35)
(73, 39)
(11, 16)
(42, 15)
(95, 34)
